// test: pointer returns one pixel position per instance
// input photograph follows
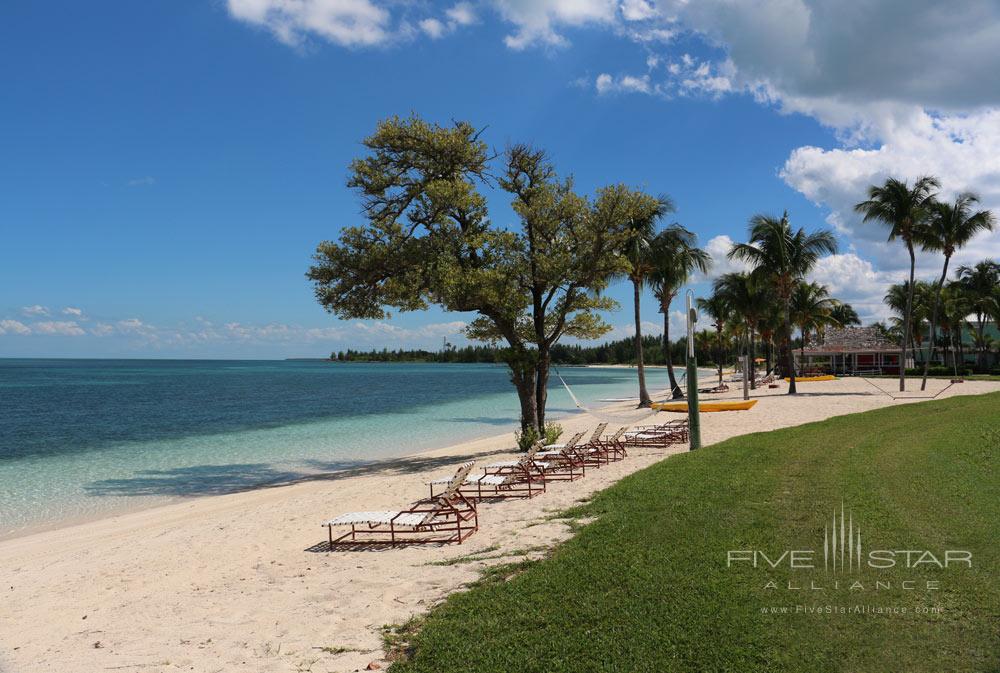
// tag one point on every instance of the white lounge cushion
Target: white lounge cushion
(504, 463)
(383, 517)
(488, 479)
(553, 447)
(515, 463)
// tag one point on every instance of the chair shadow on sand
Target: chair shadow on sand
(203, 480)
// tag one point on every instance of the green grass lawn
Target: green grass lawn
(645, 586)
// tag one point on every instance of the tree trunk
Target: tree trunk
(961, 344)
(934, 314)
(675, 390)
(522, 375)
(718, 331)
(751, 365)
(954, 350)
(906, 319)
(644, 399)
(981, 346)
(542, 388)
(787, 339)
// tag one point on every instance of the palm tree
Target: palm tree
(903, 209)
(784, 257)
(955, 306)
(844, 314)
(646, 212)
(979, 286)
(897, 297)
(812, 309)
(950, 227)
(674, 259)
(718, 309)
(748, 303)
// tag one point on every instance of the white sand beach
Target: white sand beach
(244, 582)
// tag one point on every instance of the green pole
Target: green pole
(694, 422)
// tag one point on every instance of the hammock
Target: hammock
(906, 397)
(599, 414)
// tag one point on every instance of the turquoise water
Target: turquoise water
(85, 438)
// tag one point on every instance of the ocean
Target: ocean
(82, 439)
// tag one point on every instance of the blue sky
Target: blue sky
(167, 169)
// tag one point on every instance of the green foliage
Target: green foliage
(552, 432)
(645, 586)
(428, 240)
(526, 438)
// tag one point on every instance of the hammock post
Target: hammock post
(694, 423)
(745, 359)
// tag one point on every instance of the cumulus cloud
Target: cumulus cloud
(856, 281)
(13, 327)
(72, 310)
(824, 56)
(541, 22)
(637, 10)
(461, 14)
(678, 327)
(964, 151)
(59, 328)
(348, 23)
(605, 84)
(35, 311)
(718, 248)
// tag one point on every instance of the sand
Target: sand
(243, 582)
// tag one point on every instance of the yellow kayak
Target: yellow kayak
(807, 379)
(736, 405)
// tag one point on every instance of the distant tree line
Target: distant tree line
(620, 352)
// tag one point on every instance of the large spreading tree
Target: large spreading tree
(427, 240)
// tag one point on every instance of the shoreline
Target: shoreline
(243, 581)
(126, 509)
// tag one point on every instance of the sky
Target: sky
(168, 168)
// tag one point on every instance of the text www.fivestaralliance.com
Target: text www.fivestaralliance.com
(855, 609)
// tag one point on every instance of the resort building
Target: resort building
(850, 350)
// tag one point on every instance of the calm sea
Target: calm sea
(84, 438)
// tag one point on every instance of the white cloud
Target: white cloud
(433, 28)
(637, 10)
(59, 327)
(146, 181)
(71, 310)
(718, 248)
(461, 14)
(963, 150)
(13, 327)
(102, 329)
(537, 22)
(35, 311)
(678, 327)
(856, 281)
(349, 23)
(606, 84)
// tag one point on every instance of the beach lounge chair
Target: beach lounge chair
(522, 478)
(566, 459)
(672, 432)
(445, 518)
(594, 452)
(613, 447)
